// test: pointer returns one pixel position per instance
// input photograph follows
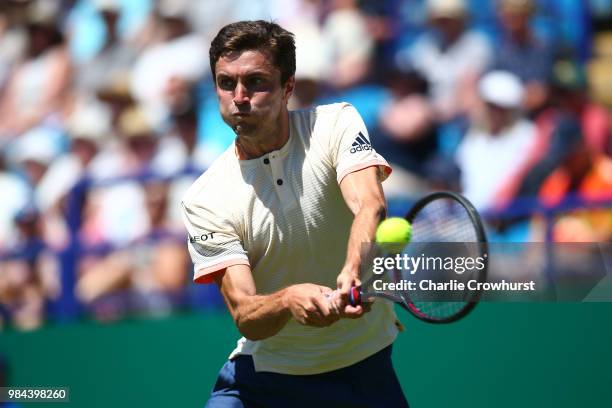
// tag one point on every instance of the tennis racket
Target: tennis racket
(444, 225)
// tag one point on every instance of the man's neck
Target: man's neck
(522, 37)
(248, 147)
(451, 38)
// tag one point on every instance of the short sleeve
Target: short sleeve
(213, 242)
(351, 146)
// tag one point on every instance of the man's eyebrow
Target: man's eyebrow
(248, 74)
(259, 72)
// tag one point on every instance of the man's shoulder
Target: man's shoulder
(318, 122)
(323, 109)
(332, 108)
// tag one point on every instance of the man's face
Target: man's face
(251, 96)
(450, 27)
(515, 21)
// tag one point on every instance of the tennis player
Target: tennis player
(277, 222)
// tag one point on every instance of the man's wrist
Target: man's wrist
(352, 266)
(285, 298)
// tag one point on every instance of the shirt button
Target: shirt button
(279, 182)
(266, 161)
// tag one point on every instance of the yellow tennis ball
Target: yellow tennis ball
(393, 234)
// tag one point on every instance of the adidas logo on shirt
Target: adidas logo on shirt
(360, 144)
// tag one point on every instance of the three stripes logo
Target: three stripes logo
(360, 144)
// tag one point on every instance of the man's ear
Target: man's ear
(289, 87)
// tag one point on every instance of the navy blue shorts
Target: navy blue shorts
(370, 383)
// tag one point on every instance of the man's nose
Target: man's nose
(241, 94)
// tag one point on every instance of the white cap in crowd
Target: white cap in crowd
(501, 88)
(37, 145)
(446, 8)
(174, 8)
(90, 121)
(107, 5)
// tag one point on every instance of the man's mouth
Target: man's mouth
(241, 115)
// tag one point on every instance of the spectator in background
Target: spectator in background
(309, 73)
(88, 127)
(571, 94)
(495, 146)
(148, 275)
(570, 116)
(348, 45)
(38, 84)
(523, 54)
(15, 195)
(450, 57)
(406, 135)
(178, 149)
(116, 95)
(585, 174)
(12, 38)
(167, 69)
(384, 22)
(132, 153)
(33, 152)
(29, 277)
(115, 212)
(180, 157)
(114, 61)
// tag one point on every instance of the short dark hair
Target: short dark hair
(264, 36)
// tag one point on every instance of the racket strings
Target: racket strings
(442, 220)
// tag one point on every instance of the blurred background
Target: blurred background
(108, 113)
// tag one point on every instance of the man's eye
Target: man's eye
(226, 84)
(257, 83)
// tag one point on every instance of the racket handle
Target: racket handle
(354, 296)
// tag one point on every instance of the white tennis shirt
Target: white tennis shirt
(283, 214)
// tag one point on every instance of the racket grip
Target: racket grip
(354, 296)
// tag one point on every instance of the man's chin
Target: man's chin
(244, 129)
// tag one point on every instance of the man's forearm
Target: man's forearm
(363, 231)
(363, 194)
(261, 316)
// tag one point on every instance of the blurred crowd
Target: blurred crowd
(108, 113)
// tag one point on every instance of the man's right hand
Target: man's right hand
(309, 304)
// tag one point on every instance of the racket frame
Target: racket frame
(356, 294)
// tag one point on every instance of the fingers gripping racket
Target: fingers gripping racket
(440, 221)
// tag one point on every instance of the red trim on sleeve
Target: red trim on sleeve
(387, 169)
(208, 274)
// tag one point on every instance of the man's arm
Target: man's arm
(261, 316)
(362, 191)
